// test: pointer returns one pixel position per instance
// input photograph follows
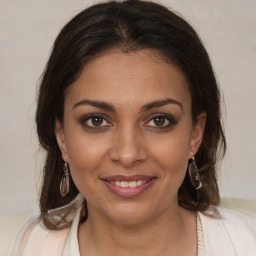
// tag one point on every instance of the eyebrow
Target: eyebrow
(111, 108)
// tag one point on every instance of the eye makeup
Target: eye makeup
(95, 121)
(98, 122)
(161, 121)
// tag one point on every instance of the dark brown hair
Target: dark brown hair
(128, 26)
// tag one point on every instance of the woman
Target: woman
(129, 115)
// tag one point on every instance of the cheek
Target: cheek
(174, 168)
(84, 166)
(173, 161)
(172, 156)
(85, 154)
(173, 149)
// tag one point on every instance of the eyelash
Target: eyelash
(167, 117)
(90, 116)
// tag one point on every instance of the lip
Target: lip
(128, 192)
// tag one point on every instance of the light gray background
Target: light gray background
(27, 31)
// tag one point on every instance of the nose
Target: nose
(128, 148)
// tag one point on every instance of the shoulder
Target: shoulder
(35, 239)
(9, 227)
(230, 232)
(238, 225)
(231, 217)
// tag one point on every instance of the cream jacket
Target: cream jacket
(234, 234)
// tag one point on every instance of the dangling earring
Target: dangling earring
(194, 173)
(64, 183)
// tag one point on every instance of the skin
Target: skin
(130, 141)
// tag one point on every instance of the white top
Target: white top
(234, 234)
(200, 237)
(72, 247)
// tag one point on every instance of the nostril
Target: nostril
(128, 155)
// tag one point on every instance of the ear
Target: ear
(197, 133)
(60, 137)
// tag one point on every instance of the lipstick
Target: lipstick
(128, 186)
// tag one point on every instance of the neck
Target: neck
(172, 232)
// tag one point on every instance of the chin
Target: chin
(130, 213)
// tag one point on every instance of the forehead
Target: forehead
(129, 78)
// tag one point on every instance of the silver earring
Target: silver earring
(64, 183)
(194, 173)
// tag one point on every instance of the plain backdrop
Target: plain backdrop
(27, 31)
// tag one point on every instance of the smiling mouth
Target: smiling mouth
(128, 186)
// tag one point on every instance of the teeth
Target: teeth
(139, 182)
(129, 184)
(124, 184)
(132, 184)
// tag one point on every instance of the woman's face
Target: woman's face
(127, 135)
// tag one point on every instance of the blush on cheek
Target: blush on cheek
(83, 167)
(175, 165)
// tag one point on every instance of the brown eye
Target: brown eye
(159, 121)
(96, 121)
